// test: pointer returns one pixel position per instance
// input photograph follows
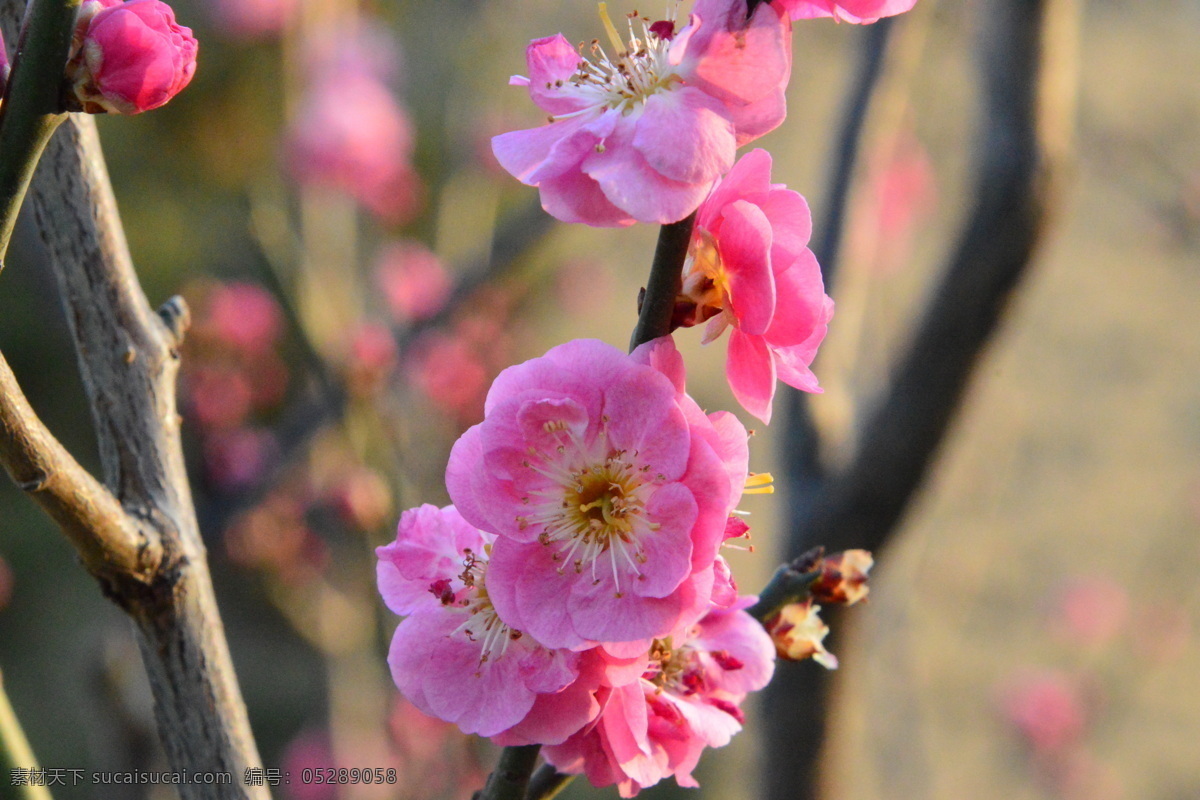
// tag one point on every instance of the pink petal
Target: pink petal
(745, 246)
(684, 135)
(552, 61)
(662, 355)
(791, 222)
(740, 65)
(537, 154)
(750, 179)
(803, 309)
(575, 197)
(751, 373)
(631, 184)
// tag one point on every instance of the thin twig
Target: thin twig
(32, 107)
(15, 752)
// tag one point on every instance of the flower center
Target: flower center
(705, 281)
(638, 67)
(673, 669)
(483, 624)
(595, 507)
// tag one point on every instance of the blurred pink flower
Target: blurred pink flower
(363, 500)
(372, 357)
(235, 459)
(274, 536)
(129, 57)
(449, 372)
(310, 750)
(643, 133)
(352, 135)
(855, 11)
(219, 396)
(749, 268)
(243, 316)
(6, 583)
(1047, 708)
(1091, 610)
(253, 19)
(414, 283)
(900, 194)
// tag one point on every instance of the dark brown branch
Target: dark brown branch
(546, 783)
(129, 359)
(804, 472)
(665, 281)
(510, 778)
(1019, 150)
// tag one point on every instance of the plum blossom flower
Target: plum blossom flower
(129, 57)
(253, 19)
(799, 633)
(351, 134)
(687, 699)
(854, 11)
(413, 281)
(608, 500)
(452, 656)
(749, 268)
(843, 578)
(643, 133)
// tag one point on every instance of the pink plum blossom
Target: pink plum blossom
(608, 501)
(350, 134)
(452, 656)
(253, 19)
(686, 700)
(244, 317)
(643, 132)
(129, 57)
(749, 268)
(413, 281)
(854, 11)
(1047, 708)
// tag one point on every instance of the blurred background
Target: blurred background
(325, 198)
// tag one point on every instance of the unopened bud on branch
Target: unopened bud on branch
(128, 57)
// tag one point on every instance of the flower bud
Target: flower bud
(129, 57)
(799, 633)
(843, 578)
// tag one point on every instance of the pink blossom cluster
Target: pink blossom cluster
(128, 56)
(574, 595)
(234, 379)
(642, 126)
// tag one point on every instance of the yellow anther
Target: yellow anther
(759, 483)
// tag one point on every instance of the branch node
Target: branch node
(36, 483)
(177, 317)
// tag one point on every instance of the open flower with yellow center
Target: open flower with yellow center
(749, 269)
(687, 699)
(608, 491)
(642, 125)
(453, 657)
